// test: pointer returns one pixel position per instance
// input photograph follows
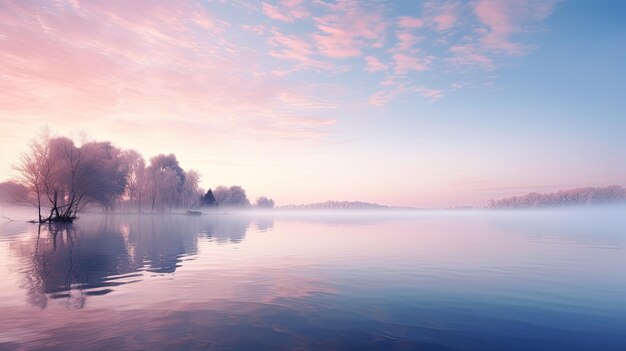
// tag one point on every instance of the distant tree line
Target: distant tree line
(579, 196)
(61, 179)
(234, 196)
(336, 205)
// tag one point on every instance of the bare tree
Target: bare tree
(32, 169)
(65, 178)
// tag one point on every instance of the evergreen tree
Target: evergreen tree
(208, 200)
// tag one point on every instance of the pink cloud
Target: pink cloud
(381, 98)
(160, 63)
(503, 18)
(405, 63)
(372, 64)
(405, 59)
(80, 62)
(408, 22)
(397, 88)
(406, 41)
(286, 11)
(500, 21)
(441, 16)
(470, 54)
(290, 47)
(444, 21)
(496, 15)
(405, 56)
(274, 13)
(302, 101)
(296, 49)
(347, 29)
(430, 93)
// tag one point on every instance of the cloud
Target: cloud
(498, 17)
(479, 34)
(395, 86)
(470, 54)
(290, 47)
(441, 15)
(406, 41)
(410, 22)
(381, 98)
(86, 61)
(404, 63)
(430, 93)
(166, 65)
(500, 21)
(372, 64)
(299, 101)
(347, 28)
(286, 11)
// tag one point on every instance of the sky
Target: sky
(409, 103)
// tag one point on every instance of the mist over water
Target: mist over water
(433, 280)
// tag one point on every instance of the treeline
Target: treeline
(62, 178)
(579, 196)
(336, 205)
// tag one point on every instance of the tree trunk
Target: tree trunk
(38, 203)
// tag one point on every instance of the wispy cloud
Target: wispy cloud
(410, 22)
(374, 65)
(441, 15)
(286, 11)
(172, 61)
(347, 28)
(85, 61)
(405, 63)
(499, 23)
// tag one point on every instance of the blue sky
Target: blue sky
(417, 103)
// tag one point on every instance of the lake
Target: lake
(413, 280)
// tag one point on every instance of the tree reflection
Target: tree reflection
(54, 269)
(90, 258)
(264, 224)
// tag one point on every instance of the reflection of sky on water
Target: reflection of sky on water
(437, 280)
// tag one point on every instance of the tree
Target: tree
(32, 171)
(264, 202)
(165, 180)
(190, 193)
(109, 174)
(135, 184)
(62, 179)
(208, 200)
(65, 178)
(579, 196)
(234, 196)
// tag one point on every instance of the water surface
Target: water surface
(538, 280)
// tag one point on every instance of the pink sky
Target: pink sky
(300, 101)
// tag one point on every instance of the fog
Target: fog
(569, 214)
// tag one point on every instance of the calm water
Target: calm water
(551, 280)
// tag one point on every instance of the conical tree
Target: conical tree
(208, 200)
